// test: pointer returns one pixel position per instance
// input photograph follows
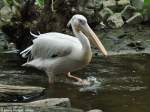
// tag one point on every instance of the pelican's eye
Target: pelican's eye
(82, 22)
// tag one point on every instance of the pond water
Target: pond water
(124, 82)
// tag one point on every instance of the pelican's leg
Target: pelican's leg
(74, 77)
(81, 81)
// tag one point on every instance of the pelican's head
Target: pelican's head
(79, 22)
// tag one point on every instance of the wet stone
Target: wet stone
(110, 4)
(137, 45)
(135, 19)
(115, 21)
(6, 14)
(128, 12)
(98, 4)
(123, 3)
(1, 4)
(95, 110)
(62, 102)
(45, 105)
(90, 4)
(138, 4)
(19, 93)
(105, 13)
(17, 108)
(3, 41)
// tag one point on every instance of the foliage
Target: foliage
(40, 3)
(145, 8)
(146, 2)
(8, 2)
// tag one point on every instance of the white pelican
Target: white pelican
(58, 53)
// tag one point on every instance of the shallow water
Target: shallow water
(123, 82)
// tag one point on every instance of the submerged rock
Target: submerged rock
(137, 45)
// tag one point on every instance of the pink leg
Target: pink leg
(74, 77)
(81, 81)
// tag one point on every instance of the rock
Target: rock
(86, 4)
(110, 4)
(62, 102)
(19, 90)
(89, 12)
(87, 8)
(128, 12)
(137, 45)
(3, 42)
(95, 110)
(123, 3)
(115, 21)
(98, 4)
(105, 13)
(6, 14)
(138, 4)
(17, 108)
(19, 93)
(135, 19)
(90, 4)
(146, 14)
(46, 105)
(1, 4)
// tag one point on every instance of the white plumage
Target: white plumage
(58, 53)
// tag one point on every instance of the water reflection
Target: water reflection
(122, 82)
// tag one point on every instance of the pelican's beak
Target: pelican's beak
(92, 36)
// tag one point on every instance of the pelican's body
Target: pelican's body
(57, 53)
(62, 53)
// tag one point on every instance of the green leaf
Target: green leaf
(40, 3)
(146, 2)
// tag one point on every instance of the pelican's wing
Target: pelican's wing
(52, 45)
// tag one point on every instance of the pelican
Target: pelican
(58, 53)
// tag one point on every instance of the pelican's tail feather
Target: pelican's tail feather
(33, 63)
(35, 36)
(26, 53)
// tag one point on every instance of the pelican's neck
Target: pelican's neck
(86, 47)
(83, 39)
